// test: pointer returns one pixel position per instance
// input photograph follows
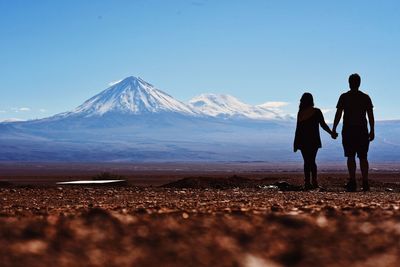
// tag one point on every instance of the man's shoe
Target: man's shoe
(351, 186)
(308, 186)
(365, 186)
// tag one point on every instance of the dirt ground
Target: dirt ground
(206, 220)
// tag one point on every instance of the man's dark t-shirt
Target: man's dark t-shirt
(355, 105)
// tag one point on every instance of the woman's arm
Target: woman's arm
(296, 137)
(323, 124)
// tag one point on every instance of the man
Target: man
(355, 136)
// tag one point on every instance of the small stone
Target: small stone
(322, 221)
(276, 208)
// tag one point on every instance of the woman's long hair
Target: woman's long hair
(306, 101)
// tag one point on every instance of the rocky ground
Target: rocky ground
(200, 222)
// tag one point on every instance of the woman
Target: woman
(307, 138)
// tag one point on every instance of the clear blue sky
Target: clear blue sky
(56, 54)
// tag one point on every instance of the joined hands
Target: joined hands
(334, 134)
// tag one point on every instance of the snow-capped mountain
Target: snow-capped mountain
(131, 96)
(227, 106)
(134, 96)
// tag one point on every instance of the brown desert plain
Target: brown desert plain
(196, 214)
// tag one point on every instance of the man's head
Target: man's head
(354, 81)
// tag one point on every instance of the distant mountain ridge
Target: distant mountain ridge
(219, 105)
(130, 96)
(137, 97)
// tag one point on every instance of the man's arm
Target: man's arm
(338, 116)
(371, 120)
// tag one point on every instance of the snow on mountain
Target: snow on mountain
(12, 120)
(276, 107)
(137, 97)
(131, 96)
(273, 105)
(220, 105)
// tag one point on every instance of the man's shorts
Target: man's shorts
(355, 142)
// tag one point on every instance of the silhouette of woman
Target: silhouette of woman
(307, 138)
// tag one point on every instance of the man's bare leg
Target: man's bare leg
(351, 166)
(364, 166)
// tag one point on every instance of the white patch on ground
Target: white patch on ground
(251, 260)
(91, 182)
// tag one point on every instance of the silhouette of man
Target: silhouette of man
(355, 105)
